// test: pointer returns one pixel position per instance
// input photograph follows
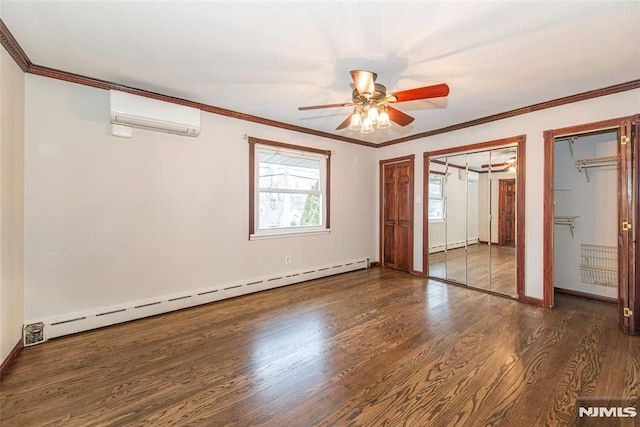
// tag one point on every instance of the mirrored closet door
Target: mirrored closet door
(472, 219)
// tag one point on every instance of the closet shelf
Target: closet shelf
(596, 162)
(566, 220)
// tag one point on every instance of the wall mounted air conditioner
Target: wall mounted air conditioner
(470, 176)
(152, 114)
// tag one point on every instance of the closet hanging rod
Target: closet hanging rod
(596, 162)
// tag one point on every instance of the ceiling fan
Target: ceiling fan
(508, 165)
(371, 103)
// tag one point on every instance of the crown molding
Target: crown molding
(13, 48)
(19, 56)
(103, 84)
(609, 90)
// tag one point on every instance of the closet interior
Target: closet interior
(472, 219)
(586, 215)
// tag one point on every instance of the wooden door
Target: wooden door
(634, 280)
(390, 220)
(628, 289)
(507, 212)
(397, 213)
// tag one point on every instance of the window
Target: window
(289, 192)
(436, 198)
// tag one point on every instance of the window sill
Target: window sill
(279, 235)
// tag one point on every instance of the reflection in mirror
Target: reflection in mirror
(503, 224)
(436, 205)
(456, 218)
(472, 212)
(478, 190)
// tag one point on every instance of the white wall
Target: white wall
(483, 207)
(11, 203)
(111, 220)
(596, 204)
(532, 125)
(472, 207)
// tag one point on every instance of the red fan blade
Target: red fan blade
(435, 91)
(364, 81)
(316, 107)
(399, 117)
(346, 123)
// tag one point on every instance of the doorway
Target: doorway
(586, 215)
(396, 213)
(625, 202)
(507, 212)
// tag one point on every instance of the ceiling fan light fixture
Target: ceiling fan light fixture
(372, 114)
(356, 121)
(383, 119)
(367, 126)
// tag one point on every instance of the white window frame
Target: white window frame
(258, 146)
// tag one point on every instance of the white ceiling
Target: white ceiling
(266, 58)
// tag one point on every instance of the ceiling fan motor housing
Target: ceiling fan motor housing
(378, 97)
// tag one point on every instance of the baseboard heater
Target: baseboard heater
(453, 245)
(83, 321)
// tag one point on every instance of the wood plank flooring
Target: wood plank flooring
(373, 347)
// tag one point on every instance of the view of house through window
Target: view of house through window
(290, 190)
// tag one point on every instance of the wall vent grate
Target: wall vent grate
(112, 312)
(76, 319)
(148, 305)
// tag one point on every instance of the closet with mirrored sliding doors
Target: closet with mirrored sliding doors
(474, 216)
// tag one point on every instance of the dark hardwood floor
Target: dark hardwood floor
(374, 347)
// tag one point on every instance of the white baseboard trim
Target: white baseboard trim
(453, 245)
(83, 321)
